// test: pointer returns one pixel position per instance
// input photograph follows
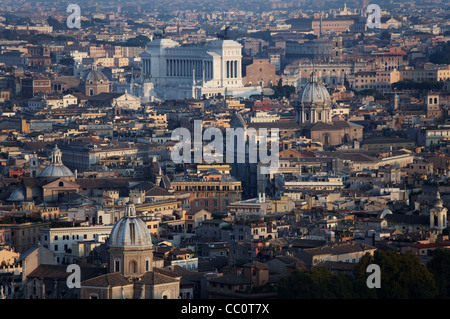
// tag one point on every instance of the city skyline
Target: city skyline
(224, 150)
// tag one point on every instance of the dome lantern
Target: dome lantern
(56, 169)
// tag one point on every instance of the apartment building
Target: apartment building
(61, 240)
(23, 236)
(210, 190)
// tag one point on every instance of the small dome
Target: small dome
(130, 231)
(314, 93)
(18, 195)
(95, 76)
(56, 168)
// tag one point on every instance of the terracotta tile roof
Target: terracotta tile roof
(337, 125)
(432, 245)
(256, 264)
(145, 186)
(231, 279)
(107, 280)
(288, 125)
(32, 182)
(338, 249)
(60, 271)
(407, 219)
(166, 272)
(158, 191)
(195, 210)
(49, 271)
(107, 183)
(159, 276)
(187, 276)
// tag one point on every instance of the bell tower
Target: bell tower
(438, 215)
(34, 166)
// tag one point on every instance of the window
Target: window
(133, 266)
(116, 264)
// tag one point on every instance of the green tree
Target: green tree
(439, 266)
(441, 56)
(402, 276)
(56, 24)
(316, 283)
(281, 90)
(139, 41)
(67, 60)
(385, 35)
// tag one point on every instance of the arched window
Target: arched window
(165, 294)
(133, 266)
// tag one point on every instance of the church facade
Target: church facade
(314, 115)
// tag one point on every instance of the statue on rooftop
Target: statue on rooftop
(224, 34)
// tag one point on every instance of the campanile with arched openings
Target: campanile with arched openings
(438, 215)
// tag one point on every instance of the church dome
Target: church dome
(18, 195)
(95, 76)
(56, 168)
(314, 93)
(130, 231)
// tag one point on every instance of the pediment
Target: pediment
(61, 184)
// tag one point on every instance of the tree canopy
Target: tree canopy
(316, 283)
(402, 277)
(439, 266)
(441, 56)
(281, 90)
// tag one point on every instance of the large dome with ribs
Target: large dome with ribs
(130, 231)
(314, 94)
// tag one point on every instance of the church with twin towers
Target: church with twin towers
(194, 71)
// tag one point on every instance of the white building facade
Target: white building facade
(60, 240)
(186, 72)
